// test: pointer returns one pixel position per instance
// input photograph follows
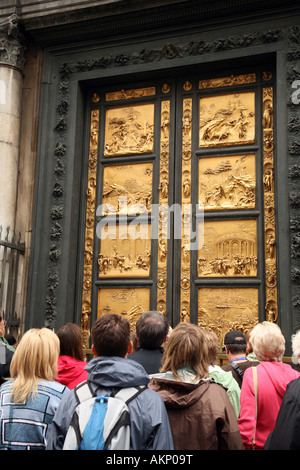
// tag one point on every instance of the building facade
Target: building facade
(150, 160)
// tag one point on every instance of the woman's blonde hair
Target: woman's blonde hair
(34, 359)
(267, 341)
(186, 347)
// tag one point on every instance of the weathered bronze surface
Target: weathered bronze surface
(227, 182)
(227, 120)
(129, 130)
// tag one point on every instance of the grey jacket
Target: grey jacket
(150, 427)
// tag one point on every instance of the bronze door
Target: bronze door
(179, 212)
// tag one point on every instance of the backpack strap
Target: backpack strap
(83, 392)
(238, 370)
(128, 394)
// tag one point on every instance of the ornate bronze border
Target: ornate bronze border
(163, 205)
(269, 205)
(186, 157)
(89, 229)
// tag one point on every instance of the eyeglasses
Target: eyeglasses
(4, 322)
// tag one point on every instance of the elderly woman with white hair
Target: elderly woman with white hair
(257, 418)
(285, 435)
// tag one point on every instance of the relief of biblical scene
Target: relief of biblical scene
(224, 309)
(127, 189)
(227, 120)
(127, 302)
(227, 182)
(129, 130)
(125, 251)
(229, 249)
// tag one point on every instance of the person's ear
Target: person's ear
(94, 350)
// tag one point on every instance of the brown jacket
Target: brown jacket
(201, 415)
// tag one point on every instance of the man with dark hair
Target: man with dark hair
(235, 344)
(109, 372)
(151, 331)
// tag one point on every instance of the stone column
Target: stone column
(12, 53)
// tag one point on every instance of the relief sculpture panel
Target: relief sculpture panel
(127, 302)
(129, 130)
(229, 249)
(227, 182)
(125, 251)
(224, 309)
(227, 120)
(127, 189)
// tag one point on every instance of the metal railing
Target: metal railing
(10, 251)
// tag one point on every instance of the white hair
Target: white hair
(296, 347)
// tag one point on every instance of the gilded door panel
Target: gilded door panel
(125, 251)
(127, 188)
(127, 243)
(129, 130)
(227, 182)
(223, 309)
(128, 302)
(227, 120)
(229, 249)
(218, 160)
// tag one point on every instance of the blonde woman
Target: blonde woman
(273, 376)
(200, 413)
(28, 401)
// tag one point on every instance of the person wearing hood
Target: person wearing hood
(273, 376)
(70, 365)
(200, 413)
(111, 370)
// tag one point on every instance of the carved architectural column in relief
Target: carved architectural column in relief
(12, 59)
(268, 180)
(163, 201)
(186, 215)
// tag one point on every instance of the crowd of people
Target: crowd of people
(185, 400)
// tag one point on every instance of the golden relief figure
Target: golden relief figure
(129, 130)
(227, 120)
(186, 153)
(223, 309)
(227, 182)
(127, 302)
(229, 249)
(125, 251)
(227, 81)
(127, 189)
(89, 229)
(163, 188)
(269, 202)
(129, 94)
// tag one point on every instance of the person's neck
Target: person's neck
(237, 357)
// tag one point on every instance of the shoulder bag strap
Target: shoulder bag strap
(255, 383)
